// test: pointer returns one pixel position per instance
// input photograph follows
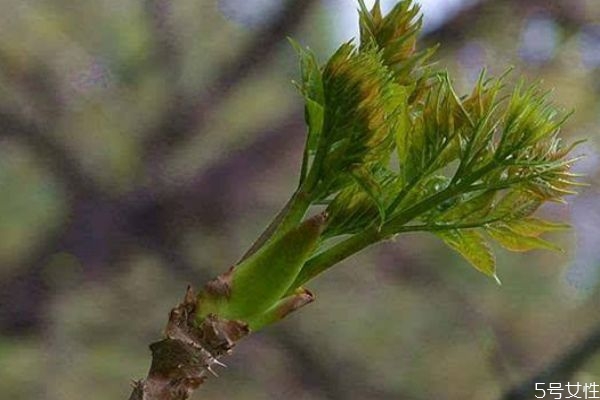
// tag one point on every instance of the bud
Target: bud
(396, 36)
(364, 107)
(260, 281)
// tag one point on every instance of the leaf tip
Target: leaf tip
(497, 279)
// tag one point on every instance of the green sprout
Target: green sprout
(392, 148)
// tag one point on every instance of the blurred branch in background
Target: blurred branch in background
(33, 124)
(191, 204)
(560, 370)
(20, 298)
(327, 376)
(504, 357)
(167, 55)
(50, 153)
(187, 113)
(567, 14)
(500, 353)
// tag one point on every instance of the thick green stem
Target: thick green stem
(334, 255)
(289, 216)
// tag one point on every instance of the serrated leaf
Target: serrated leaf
(474, 209)
(367, 22)
(516, 204)
(315, 114)
(513, 241)
(372, 188)
(312, 83)
(473, 247)
(535, 226)
(313, 91)
(364, 202)
(362, 109)
(349, 211)
(403, 134)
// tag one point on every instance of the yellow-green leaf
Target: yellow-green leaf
(372, 188)
(474, 209)
(517, 204)
(535, 226)
(315, 114)
(473, 247)
(514, 241)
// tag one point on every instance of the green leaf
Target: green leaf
(488, 159)
(364, 202)
(367, 23)
(535, 226)
(315, 114)
(513, 241)
(516, 204)
(313, 92)
(404, 131)
(473, 247)
(312, 81)
(476, 208)
(432, 140)
(363, 104)
(395, 34)
(372, 188)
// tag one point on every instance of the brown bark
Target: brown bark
(183, 360)
(192, 346)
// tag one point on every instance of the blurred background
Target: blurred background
(145, 144)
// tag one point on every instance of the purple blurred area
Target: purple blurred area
(144, 145)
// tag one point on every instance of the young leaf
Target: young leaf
(484, 160)
(312, 90)
(515, 204)
(363, 203)
(474, 209)
(312, 83)
(513, 241)
(396, 35)
(473, 247)
(363, 110)
(535, 226)
(315, 114)
(372, 189)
